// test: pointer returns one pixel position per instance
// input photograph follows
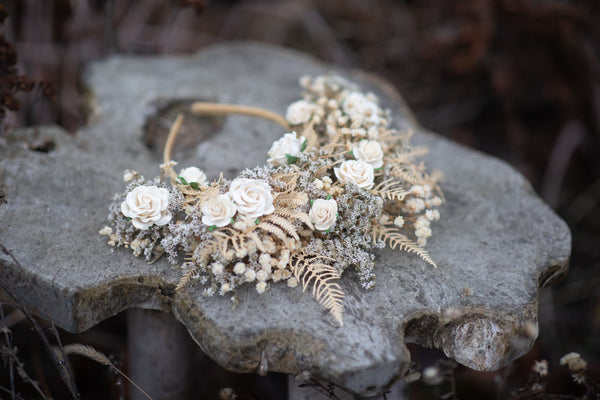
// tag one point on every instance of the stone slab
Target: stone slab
(496, 244)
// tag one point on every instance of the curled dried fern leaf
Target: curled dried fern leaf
(311, 270)
(275, 230)
(291, 199)
(282, 223)
(411, 173)
(409, 154)
(185, 279)
(293, 215)
(390, 189)
(395, 239)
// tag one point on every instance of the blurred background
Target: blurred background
(518, 79)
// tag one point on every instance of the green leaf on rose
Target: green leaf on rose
(195, 185)
(291, 159)
(303, 146)
(182, 180)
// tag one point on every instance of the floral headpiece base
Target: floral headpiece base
(338, 185)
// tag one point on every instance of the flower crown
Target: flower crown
(340, 184)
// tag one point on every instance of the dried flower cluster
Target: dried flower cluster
(339, 185)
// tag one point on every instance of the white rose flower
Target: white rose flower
(252, 197)
(299, 112)
(323, 214)
(193, 174)
(360, 109)
(287, 145)
(218, 211)
(356, 171)
(369, 151)
(147, 205)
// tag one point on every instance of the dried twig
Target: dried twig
(8, 339)
(65, 374)
(93, 354)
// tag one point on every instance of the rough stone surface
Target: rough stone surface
(496, 245)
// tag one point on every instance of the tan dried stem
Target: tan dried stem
(169, 144)
(202, 108)
(226, 109)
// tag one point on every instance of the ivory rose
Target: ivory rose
(357, 172)
(252, 197)
(193, 174)
(299, 112)
(360, 109)
(147, 205)
(369, 151)
(323, 214)
(287, 145)
(218, 211)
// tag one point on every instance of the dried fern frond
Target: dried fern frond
(208, 250)
(390, 234)
(308, 269)
(291, 199)
(390, 189)
(259, 243)
(293, 215)
(199, 197)
(189, 275)
(289, 178)
(275, 230)
(408, 155)
(321, 171)
(227, 237)
(283, 223)
(185, 279)
(393, 137)
(410, 173)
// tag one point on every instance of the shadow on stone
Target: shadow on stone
(195, 129)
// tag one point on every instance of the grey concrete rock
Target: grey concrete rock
(496, 245)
